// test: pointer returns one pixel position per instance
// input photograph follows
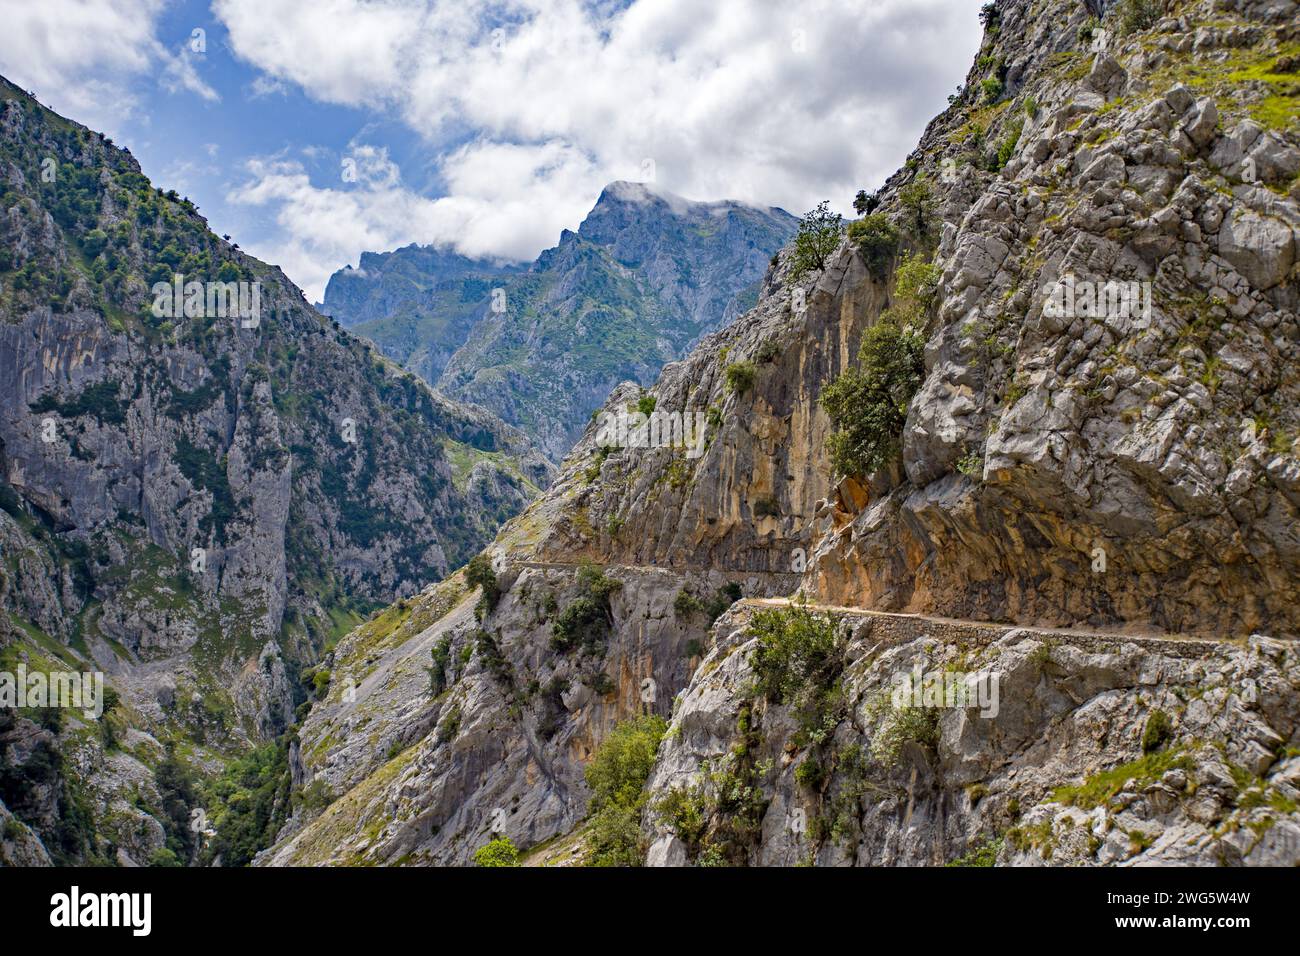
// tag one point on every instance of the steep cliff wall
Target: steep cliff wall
(196, 504)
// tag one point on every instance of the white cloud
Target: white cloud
(265, 86)
(81, 55)
(743, 99)
(505, 202)
(528, 107)
(180, 74)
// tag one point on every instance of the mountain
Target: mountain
(198, 494)
(1086, 504)
(646, 274)
(418, 302)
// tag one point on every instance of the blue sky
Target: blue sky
(312, 130)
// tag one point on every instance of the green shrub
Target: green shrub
(797, 661)
(602, 684)
(617, 776)
(1009, 141)
(739, 377)
(684, 811)
(646, 405)
(992, 89)
(793, 643)
(621, 764)
(818, 235)
(971, 465)
(93, 242)
(1158, 732)
(918, 199)
(986, 854)
(449, 726)
(441, 655)
(1138, 15)
(722, 599)
(587, 621)
(99, 401)
(500, 852)
(868, 404)
(687, 604)
(903, 725)
(164, 857)
(876, 239)
(249, 803)
(810, 774)
(916, 289)
(479, 574)
(865, 203)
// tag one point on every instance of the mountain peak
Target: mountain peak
(622, 192)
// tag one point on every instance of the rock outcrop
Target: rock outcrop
(197, 491)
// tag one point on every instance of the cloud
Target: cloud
(505, 202)
(743, 99)
(266, 86)
(81, 55)
(179, 74)
(526, 108)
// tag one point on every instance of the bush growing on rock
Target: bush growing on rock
(797, 662)
(865, 202)
(868, 405)
(901, 726)
(1158, 732)
(617, 775)
(876, 238)
(739, 377)
(818, 235)
(588, 620)
(916, 288)
(686, 604)
(1138, 15)
(918, 199)
(500, 852)
(479, 574)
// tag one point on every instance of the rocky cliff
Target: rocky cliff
(646, 274)
(199, 491)
(1089, 502)
(417, 303)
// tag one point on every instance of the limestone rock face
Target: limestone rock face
(426, 774)
(1129, 460)
(190, 497)
(1057, 775)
